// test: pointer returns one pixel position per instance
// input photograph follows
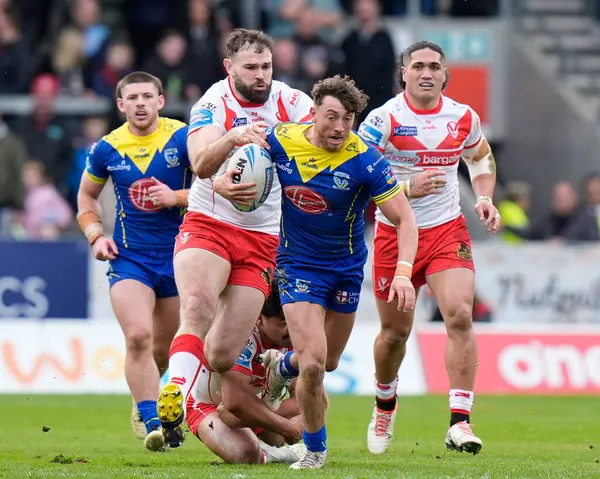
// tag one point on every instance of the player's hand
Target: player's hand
(254, 133)
(105, 249)
(161, 195)
(228, 418)
(296, 429)
(428, 182)
(488, 213)
(242, 193)
(403, 288)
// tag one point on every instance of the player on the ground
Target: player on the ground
(328, 175)
(225, 412)
(224, 256)
(423, 135)
(147, 160)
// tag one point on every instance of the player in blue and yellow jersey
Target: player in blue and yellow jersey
(147, 160)
(328, 175)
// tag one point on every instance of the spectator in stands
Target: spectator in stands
(86, 18)
(203, 48)
(283, 15)
(68, 62)
(175, 68)
(315, 56)
(513, 209)
(368, 49)
(46, 212)
(48, 136)
(15, 56)
(147, 20)
(94, 128)
(555, 225)
(564, 210)
(119, 62)
(12, 193)
(586, 226)
(285, 62)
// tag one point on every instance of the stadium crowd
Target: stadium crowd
(81, 48)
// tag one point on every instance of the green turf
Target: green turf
(90, 436)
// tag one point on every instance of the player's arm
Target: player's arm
(240, 402)
(208, 148)
(398, 211)
(482, 170)
(89, 217)
(388, 196)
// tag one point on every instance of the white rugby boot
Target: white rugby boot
(276, 386)
(381, 430)
(155, 441)
(138, 426)
(460, 438)
(283, 454)
(311, 460)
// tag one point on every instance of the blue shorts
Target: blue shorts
(155, 270)
(335, 285)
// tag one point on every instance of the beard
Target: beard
(249, 94)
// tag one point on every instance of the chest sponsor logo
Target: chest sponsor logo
(138, 195)
(306, 200)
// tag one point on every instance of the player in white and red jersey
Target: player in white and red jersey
(225, 412)
(224, 256)
(423, 135)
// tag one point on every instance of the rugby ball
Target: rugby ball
(257, 167)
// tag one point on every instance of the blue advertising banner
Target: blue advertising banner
(44, 279)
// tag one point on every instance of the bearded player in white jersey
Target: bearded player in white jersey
(223, 256)
(423, 135)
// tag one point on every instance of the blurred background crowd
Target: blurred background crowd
(79, 49)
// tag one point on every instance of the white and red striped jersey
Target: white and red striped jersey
(222, 108)
(415, 140)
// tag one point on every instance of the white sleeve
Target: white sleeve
(475, 137)
(207, 111)
(375, 129)
(296, 104)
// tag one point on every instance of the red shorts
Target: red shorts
(250, 253)
(197, 414)
(441, 247)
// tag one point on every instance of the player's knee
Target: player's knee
(313, 374)
(219, 358)
(198, 310)
(396, 335)
(138, 342)
(246, 453)
(459, 318)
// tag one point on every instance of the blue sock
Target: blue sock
(285, 366)
(316, 442)
(149, 414)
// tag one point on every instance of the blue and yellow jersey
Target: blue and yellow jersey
(324, 194)
(131, 161)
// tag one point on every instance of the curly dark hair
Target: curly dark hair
(415, 47)
(242, 37)
(272, 307)
(342, 88)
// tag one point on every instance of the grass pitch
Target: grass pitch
(524, 437)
